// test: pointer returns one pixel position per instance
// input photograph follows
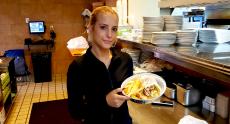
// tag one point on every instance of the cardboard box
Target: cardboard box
(223, 104)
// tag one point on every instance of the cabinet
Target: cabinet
(185, 3)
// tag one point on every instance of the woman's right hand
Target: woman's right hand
(114, 99)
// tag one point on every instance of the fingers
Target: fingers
(114, 99)
(118, 104)
(119, 100)
(119, 95)
(122, 98)
(118, 90)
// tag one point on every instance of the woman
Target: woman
(94, 79)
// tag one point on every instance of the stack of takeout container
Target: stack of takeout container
(186, 37)
(173, 23)
(151, 24)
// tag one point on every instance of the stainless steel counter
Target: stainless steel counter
(152, 114)
(209, 60)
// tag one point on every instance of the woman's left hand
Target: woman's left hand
(114, 99)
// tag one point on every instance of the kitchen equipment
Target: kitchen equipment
(187, 95)
(164, 103)
(170, 91)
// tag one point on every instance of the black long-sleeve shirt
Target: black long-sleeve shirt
(88, 83)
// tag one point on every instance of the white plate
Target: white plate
(152, 18)
(162, 45)
(159, 80)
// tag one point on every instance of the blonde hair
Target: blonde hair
(99, 10)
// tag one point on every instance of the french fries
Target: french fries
(136, 89)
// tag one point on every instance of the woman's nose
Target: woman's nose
(109, 33)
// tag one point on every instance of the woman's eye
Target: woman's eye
(103, 27)
(114, 29)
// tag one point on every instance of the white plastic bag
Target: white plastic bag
(188, 119)
(78, 42)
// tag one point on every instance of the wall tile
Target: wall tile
(7, 13)
(5, 29)
(72, 14)
(30, 1)
(32, 11)
(53, 13)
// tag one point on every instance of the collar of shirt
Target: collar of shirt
(115, 53)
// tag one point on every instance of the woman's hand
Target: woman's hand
(114, 99)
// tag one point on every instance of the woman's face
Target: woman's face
(104, 31)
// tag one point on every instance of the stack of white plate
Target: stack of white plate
(151, 24)
(146, 37)
(163, 38)
(209, 35)
(134, 53)
(186, 37)
(173, 23)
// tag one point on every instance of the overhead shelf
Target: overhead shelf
(186, 3)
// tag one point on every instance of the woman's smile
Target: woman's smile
(108, 41)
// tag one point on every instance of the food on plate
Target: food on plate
(142, 88)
